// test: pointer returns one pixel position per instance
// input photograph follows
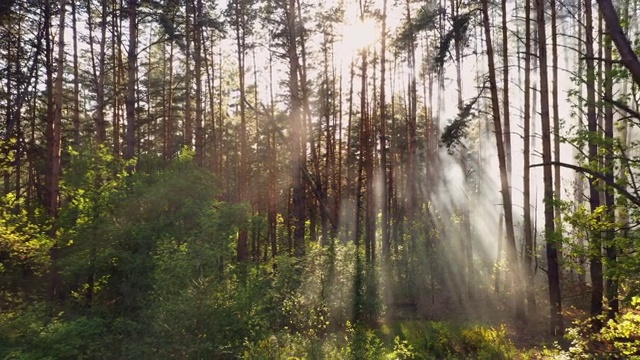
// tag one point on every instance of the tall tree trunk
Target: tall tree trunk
(239, 23)
(386, 244)
(272, 212)
(188, 129)
(168, 126)
(209, 65)
(132, 57)
(556, 120)
(504, 178)
(505, 89)
(595, 244)
(56, 141)
(467, 245)
(609, 197)
(553, 272)
(100, 122)
(76, 78)
(579, 178)
(297, 148)
(197, 32)
(528, 230)
(411, 134)
(116, 53)
(54, 146)
(9, 122)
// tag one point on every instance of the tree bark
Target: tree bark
(553, 272)
(609, 196)
(297, 148)
(556, 119)
(132, 57)
(188, 127)
(386, 244)
(595, 245)
(239, 23)
(76, 77)
(197, 34)
(504, 177)
(627, 55)
(505, 89)
(528, 230)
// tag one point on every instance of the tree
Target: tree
(298, 143)
(627, 56)
(132, 57)
(553, 272)
(99, 70)
(529, 252)
(386, 244)
(504, 178)
(595, 242)
(242, 19)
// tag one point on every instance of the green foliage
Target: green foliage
(31, 334)
(425, 19)
(457, 33)
(456, 131)
(439, 340)
(618, 338)
(409, 340)
(24, 252)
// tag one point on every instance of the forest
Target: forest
(300, 179)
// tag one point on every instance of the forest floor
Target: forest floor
(489, 309)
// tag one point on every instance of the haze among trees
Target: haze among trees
(276, 179)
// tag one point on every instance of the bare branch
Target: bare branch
(621, 189)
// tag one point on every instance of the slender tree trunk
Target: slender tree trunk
(48, 200)
(579, 178)
(273, 161)
(54, 146)
(168, 126)
(553, 272)
(132, 57)
(556, 121)
(297, 153)
(609, 197)
(623, 139)
(595, 244)
(56, 142)
(188, 129)
(528, 230)
(209, 65)
(504, 178)
(197, 32)
(116, 38)
(100, 122)
(76, 78)
(496, 282)
(386, 244)
(467, 244)
(9, 122)
(239, 23)
(505, 89)
(411, 134)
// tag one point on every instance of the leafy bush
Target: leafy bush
(619, 337)
(32, 335)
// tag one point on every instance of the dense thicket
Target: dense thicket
(258, 178)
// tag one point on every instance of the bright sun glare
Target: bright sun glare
(359, 34)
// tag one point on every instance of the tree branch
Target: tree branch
(627, 56)
(620, 105)
(621, 189)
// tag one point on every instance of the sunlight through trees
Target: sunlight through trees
(303, 179)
